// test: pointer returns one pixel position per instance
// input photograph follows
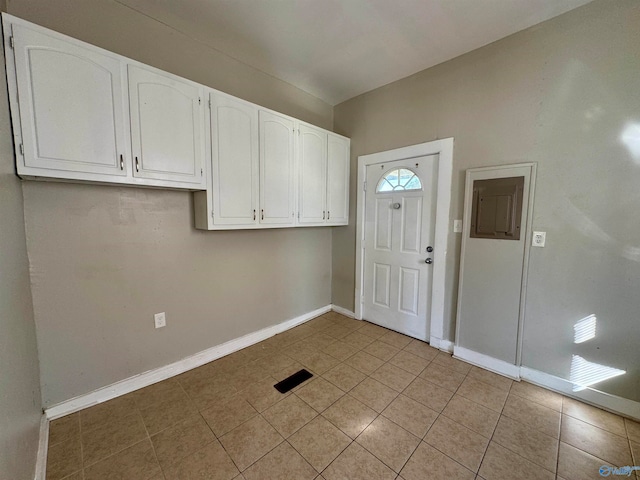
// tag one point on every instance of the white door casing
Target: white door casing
(443, 149)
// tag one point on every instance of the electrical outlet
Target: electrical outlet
(457, 226)
(160, 319)
(539, 239)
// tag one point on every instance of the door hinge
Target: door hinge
(12, 42)
(212, 214)
(298, 215)
(199, 101)
(209, 104)
(364, 186)
(21, 149)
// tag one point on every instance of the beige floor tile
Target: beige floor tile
(344, 376)
(595, 416)
(357, 340)
(105, 413)
(528, 442)
(173, 409)
(209, 463)
(80, 476)
(429, 463)
(493, 379)
(289, 415)
(340, 350)
(575, 464)
(262, 394)
(446, 360)
(409, 362)
(421, 349)
(320, 362)
(533, 414)
(355, 463)
(633, 430)
(537, 394)
(442, 376)
(428, 394)
(374, 394)
(319, 442)
(483, 393)
(247, 375)
(364, 362)
(388, 442)
(502, 464)
(250, 441)
(63, 459)
(600, 443)
(321, 323)
(282, 463)
(209, 390)
(374, 331)
(338, 331)
(393, 377)
(64, 429)
(225, 416)
(320, 340)
(106, 440)
(181, 440)
(458, 442)
(137, 462)
(411, 415)
(319, 393)
(396, 339)
(350, 415)
(157, 393)
(475, 417)
(276, 363)
(381, 350)
(258, 351)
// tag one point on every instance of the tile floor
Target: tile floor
(380, 406)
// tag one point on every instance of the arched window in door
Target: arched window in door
(399, 179)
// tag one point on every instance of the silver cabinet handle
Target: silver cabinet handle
(323, 214)
(254, 214)
(121, 162)
(137, 165)
(328, 214)
(262, 214)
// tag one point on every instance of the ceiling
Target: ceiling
(338, 49)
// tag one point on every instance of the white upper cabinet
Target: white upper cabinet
(338, 159)
(71, 108)
(312, 162)
(234, 161)
(277, 170)
(167, 127)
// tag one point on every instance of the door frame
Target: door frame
(444, 149)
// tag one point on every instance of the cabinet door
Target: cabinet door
(312, 162)
(338, 153)
(167, 121)
(234, 161)
(277, 180)
(71, 108)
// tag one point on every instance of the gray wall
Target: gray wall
(105, 259)
(561, 94)
(20, 407)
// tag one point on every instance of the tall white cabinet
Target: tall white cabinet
(312, 161)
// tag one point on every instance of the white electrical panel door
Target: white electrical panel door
(338, 150)
(312, 162)
(71, 108)
(277, 167)
(167, 127)
(234, 161)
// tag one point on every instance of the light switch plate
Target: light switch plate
(457, 226)
(539, 238)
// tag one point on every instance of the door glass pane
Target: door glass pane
(398, 180)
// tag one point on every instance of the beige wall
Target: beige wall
(560, 94)
(105, 259)
(20, 407)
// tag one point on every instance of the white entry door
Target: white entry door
(399, 234)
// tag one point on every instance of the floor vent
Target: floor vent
(293, 381)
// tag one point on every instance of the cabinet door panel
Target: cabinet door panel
(166, 127)
(338, 180)
(312, 158)
(234, 147)
(276, 169)
(71, 106)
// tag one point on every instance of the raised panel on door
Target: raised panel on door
(234, 161)
(277, 180)
(338, 158)
(166, 127)
(312, 161)
(71, 107)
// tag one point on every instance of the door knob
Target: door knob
(429, 261)
(429, 249)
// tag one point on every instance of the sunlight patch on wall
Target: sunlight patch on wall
(584, 373)
(585, 329)
(631, 139)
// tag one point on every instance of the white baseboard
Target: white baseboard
(343, 311)
(43, 447)
(162, 373)
(485, 361)
(612, 403)
(440, 344)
